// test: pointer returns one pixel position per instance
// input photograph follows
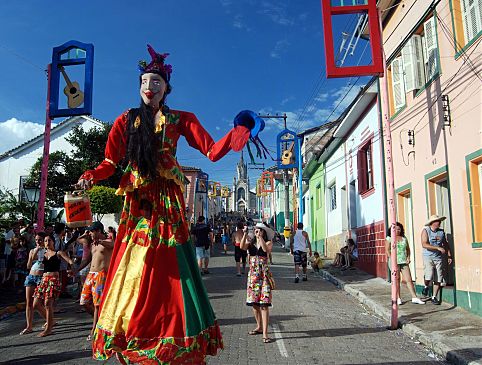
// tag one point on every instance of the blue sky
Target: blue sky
(227, 56)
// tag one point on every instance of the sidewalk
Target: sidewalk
(451, 332)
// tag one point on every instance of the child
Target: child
(317, 262)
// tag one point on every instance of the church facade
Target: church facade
(243, 199)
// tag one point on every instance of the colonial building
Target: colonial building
(434, 87)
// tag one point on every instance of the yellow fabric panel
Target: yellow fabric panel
(122, 296)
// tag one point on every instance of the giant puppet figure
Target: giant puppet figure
(155, 308)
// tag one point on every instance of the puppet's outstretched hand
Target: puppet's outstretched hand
(247, 124)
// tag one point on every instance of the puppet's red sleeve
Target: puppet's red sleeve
(200, 139)
(115, 150)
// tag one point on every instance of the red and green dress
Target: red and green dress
(155, 309)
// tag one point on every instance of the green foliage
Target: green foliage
(103, 200)
(11, 209)
(61, 177)
(64, 170)
(88, 150)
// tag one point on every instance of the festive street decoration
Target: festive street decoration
(202, 183)
(370, 8)
(79, 97)
(267, 182)
(287, 149)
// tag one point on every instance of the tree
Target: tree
(64, 170)
(60, 177)
(88, 151)
(11, 209)
(103, 200)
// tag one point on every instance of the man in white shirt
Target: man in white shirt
(298, 243)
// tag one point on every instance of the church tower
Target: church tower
(241, 187)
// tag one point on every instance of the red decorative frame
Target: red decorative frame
(267, 182)
(376, 68)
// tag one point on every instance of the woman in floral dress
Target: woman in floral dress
(155, 309)
(260, 279)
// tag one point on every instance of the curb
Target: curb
(9, 311)
(428, 340)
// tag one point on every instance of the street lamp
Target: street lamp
(32, 193)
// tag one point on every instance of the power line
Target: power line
(318, 85)
(441, 93)
(24, 59)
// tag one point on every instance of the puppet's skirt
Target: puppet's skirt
(155, 309)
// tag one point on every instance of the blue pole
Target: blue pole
(207, 198)
(300, 181)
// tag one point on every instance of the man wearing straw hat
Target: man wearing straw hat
(435, 246)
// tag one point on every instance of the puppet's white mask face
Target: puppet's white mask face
(152, 90)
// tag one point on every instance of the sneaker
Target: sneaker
(417, 301)
(435, 301)
(425, 291)
(297, 280)
(399, 301)
(238, 274)
(305, 278)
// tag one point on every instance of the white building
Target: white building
(17, 162)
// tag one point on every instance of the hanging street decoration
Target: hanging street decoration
(71, 58)
(287, 149)
(267, 182)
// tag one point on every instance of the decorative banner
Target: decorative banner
(259, 188)
(72, 71)
(202, 183)
(214, 189)
(225, 192)
(372, 24)
(287, 148)
(267, 182)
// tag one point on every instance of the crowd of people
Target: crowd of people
(47, 263)
(56, 262)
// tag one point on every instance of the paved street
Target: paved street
(313, 323)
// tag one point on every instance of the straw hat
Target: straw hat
(269, 231)
(434, 218)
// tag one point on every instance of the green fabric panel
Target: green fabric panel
(198, 311)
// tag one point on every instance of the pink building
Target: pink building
(434, 81)
(194, 202)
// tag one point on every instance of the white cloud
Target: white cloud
(279, 48)
(14, 132)
(239, 23)
(321, 97)
(344, 96)
(278, 13)
(287, 100)
(218, 128)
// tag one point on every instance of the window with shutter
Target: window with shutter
(361, 171)
(431, 48)
(408, 58)
(398, 83)
(369, 166)
(365, 168)
(472, 16)
(420, 67)
(413, 66)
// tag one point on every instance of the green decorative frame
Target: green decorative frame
(408, 187)
(469, 158)
(460, 52)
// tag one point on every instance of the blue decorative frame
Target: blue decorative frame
(280, 141)
(205, 177)
(88, 61)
